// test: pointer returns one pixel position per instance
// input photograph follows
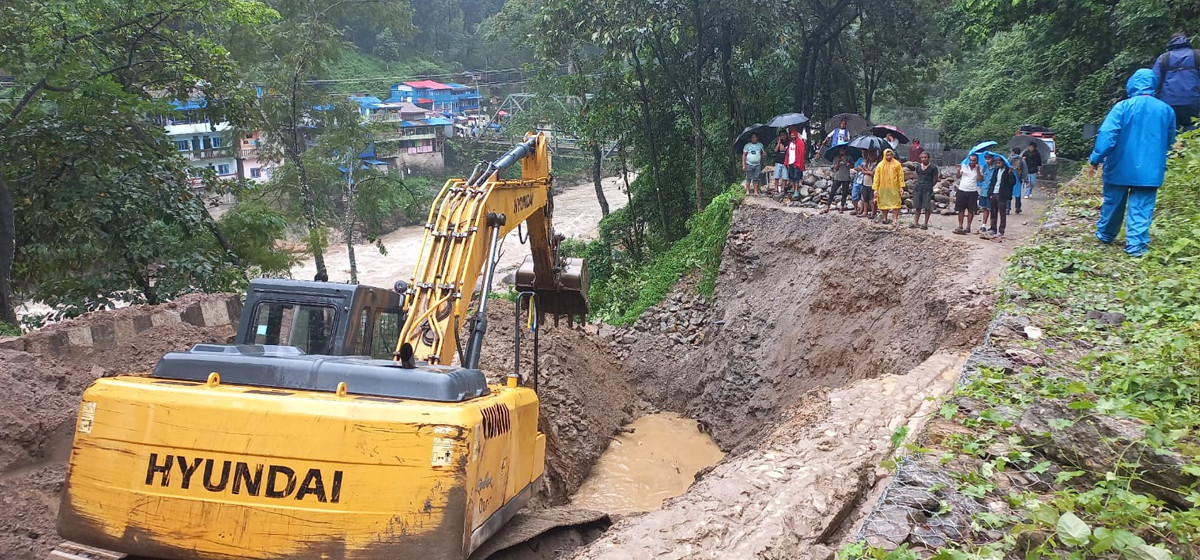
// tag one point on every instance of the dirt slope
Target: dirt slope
(804, 303)
(37, 419)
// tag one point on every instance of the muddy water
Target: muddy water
(639, 470)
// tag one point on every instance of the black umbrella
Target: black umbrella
(764, 133)
(1022, 142)
(882, 130)
(852, 153)
(788, 119)
(855, 123)
(868, 142)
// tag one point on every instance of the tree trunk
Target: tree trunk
(310, 213)
(597, 159)
(648, 131)
(635, 225)
(698, 103)
(348, 221)
(731, 98)
(8, 250)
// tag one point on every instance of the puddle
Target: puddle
(639, 470)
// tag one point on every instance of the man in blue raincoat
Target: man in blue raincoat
(1178, 72)
(1132, 145)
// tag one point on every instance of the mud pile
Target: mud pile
(804, 303)
(824, 336)
(37, 417)
(584, 392)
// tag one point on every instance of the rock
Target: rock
(1021, 356)
(1100, 443)
(941, 198)
(1106, 317)
(1032, 332)
(628, 339)
(809, 180)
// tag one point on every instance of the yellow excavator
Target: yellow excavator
(308, 438)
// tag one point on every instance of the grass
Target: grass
(1146, 370)
(620, 294)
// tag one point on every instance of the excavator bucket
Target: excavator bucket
(568, 296)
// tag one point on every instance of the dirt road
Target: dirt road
(576, 214)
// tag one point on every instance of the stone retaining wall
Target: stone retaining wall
(94, 332)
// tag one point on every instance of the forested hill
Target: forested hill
(440, 38)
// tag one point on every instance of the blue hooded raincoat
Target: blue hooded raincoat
(1132, 145)
(1181, 86)
(1136, 135)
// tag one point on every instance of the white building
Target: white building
(206, 145)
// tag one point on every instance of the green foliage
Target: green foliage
(1033, 65)
(620, 293)
(9, 329)
(254, 230)
(102, 206)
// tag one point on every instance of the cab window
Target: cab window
(387, 332)
(307, 327)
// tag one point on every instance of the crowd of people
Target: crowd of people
(871, 186)
(1132, 145)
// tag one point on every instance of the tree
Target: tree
(387, 46)
(293, 111)
(74, 138)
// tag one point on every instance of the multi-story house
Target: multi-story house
(441, 98)
(465, 99)
(251, 164)
(409, 138)
(213, 146)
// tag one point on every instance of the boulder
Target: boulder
(1100, 443)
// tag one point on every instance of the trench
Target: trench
(823, 337)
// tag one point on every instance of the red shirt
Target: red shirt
(795, 153)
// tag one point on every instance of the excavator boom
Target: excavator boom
(466, 221)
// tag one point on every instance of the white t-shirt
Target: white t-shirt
(969, 181)
(753, 153)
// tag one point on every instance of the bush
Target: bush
(621, 290)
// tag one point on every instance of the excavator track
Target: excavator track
(525, 527)
(68, 550)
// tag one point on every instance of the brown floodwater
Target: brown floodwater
(639, 470)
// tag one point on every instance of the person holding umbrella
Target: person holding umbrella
(966, 195)
(889, 181)
(841, 180)
(752, 154)
(867, 170)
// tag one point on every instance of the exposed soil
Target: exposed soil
(804, 303)
(37, 418)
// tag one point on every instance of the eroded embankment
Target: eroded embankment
(806, 303)
(824, 336)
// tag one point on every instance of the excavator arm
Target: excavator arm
(466, 222)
